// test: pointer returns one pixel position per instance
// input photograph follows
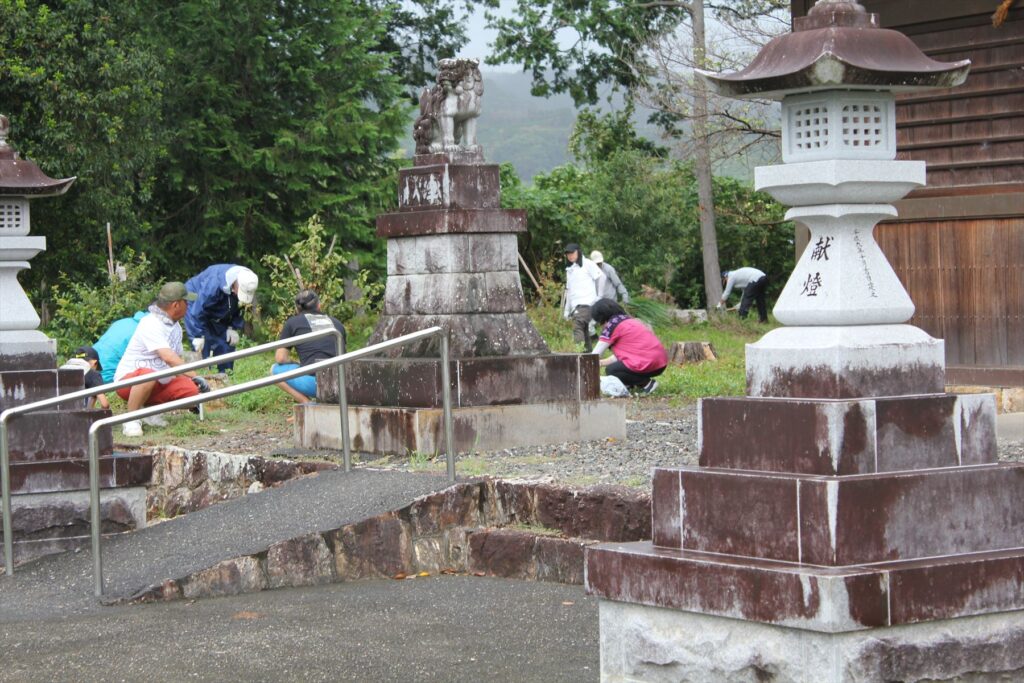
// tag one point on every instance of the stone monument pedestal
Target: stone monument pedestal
(452, 262)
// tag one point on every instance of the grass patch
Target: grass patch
(727, 333)
(535, 529)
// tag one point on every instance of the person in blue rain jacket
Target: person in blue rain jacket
(214, 319)
(111, 345)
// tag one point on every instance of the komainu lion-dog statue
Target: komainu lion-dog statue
(448, 111)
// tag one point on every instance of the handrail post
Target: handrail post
(446, 397)
(94, 510)
(346, 447)
(5, 473)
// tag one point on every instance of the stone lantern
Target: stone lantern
(22, 346)
(848, 520)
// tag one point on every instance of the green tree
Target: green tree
(281, 110)
(575, 46)
(83, 94)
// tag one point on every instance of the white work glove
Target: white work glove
(197, 344)
(233, 337)
(719, 306)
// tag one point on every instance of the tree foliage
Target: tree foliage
(84, 310)
(206, 131)
(318, 263)
(282, 110)
(642, 211)
(83, 94)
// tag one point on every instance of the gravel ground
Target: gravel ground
(659, 434)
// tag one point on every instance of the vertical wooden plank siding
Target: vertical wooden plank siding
(966, 279)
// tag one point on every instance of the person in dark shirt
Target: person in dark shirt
(308, 318)
(87, 360)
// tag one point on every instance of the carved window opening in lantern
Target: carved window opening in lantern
(838, 124)
(14, 216)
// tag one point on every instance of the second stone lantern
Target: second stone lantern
(848, 521)
(837, 75)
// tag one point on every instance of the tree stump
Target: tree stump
(691, 352)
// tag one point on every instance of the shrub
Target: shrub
(312, 263)
(83, 311)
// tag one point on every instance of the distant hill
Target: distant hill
(532, 133)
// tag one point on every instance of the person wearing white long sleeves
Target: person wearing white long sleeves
(582, 277)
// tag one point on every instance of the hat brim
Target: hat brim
(245, 297)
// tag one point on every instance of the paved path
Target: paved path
(186, 544)
(450, 628)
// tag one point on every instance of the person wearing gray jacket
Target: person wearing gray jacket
(610, 286)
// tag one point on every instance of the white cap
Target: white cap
(247, 282)
(596, 256)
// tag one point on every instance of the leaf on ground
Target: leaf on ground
(479, 574)
(423, 574)
(399, 576)
(568, 602)
(246, 614)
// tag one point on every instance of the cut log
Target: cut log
(691, 352)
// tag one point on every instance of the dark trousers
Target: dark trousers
(581, 327)
(216, 344)
(629, 377)
(755, 291)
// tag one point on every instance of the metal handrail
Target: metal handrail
(339, 361)
(5, 464)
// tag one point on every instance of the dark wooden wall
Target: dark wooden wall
(958, 245)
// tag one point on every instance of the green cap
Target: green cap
(174, 291)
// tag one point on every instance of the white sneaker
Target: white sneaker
(133, 428)
(154, 421)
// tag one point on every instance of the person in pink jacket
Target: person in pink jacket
(637, 355)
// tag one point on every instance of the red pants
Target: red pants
(178, 387)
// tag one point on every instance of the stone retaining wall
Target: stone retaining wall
(462, 529)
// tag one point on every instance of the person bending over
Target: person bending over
(753, 283)
(214, 318)
(637, 355)
(307, 318)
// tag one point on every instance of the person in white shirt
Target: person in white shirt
(582, 278)
(156, 345)
(753, 283)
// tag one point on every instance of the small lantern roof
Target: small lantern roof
(838, 46)
(22, 177)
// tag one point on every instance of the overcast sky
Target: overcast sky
(479, 37)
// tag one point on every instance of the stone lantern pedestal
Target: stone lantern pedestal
(49, 448)
(848, 520)
(453, 262)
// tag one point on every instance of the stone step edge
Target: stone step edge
(808, 597)
(458, 530)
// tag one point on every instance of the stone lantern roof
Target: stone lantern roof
(838, 46)
(22, 177)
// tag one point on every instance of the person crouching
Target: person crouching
(637, 355)
(307, 318)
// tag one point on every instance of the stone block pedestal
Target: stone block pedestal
(50, 468)
(452, 263)
(665, 645)
(497, 402)
(389, 430)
